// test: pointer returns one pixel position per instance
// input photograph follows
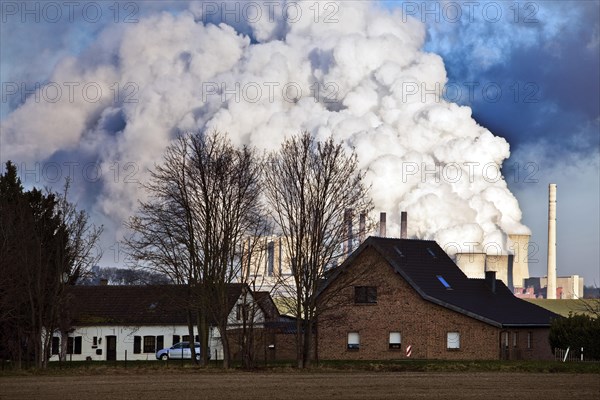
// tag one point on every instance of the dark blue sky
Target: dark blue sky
(547, 67)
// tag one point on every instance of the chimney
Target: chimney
(490, 279)
(382, 224)
(551, 286)
(348, 218)
(362, 226)
(403, 227)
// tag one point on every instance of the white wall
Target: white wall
(125, 341)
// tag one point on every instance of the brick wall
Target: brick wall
(399, 308)
(269, 345)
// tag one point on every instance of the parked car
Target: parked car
(179, 351)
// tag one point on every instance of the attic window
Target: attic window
(443, 281)
(365, 294)
(398, 251)
(431, 253)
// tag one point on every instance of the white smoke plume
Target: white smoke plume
(349, 69)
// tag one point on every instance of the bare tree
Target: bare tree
(164, 236)
(227, 210)
(205, 200)
(309, 185)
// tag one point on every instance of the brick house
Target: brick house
(393, 297)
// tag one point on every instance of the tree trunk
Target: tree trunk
(225, 343)
(191, 335)
(307, 342)
(203, 330)
(64, 340)
(299, 342)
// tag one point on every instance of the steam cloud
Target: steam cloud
(352, 70)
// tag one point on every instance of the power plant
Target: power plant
(508, 262)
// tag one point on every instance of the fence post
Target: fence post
(566, 354)
(582, 354)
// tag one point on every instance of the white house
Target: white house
(133, 322)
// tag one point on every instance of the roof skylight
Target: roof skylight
(443, 281)
(398, 251)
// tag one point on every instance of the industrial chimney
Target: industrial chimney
(362, 222)
(403, 223)
(551, 286)
(382, 224)
(348, 220)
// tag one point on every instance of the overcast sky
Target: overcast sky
(528, 70)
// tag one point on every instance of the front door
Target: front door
(111, 348)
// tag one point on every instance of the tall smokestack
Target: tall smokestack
(362, 223)
(403, 226)
(348, 217)
(551, 286)
(382, 224)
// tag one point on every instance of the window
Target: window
(95, 341)
(137, 344)
(176, 339)
(160, 342)
(270, 258)
(529, 340)
(241, 312)
(443, 282)
(186, 338)
(55, 345)
(453, 339)
(395, 340)
(515, 339)
(74, 345)
(505, 339)
(365, 294)
(353, 341)
(149, 344)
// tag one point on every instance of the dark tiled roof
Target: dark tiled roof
(138, 305)
(265, 301)
(420, 262)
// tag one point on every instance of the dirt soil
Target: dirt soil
(299, 385)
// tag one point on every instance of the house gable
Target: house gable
(399, 310)
(433, 275)
(396, 317)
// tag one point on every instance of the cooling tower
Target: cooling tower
(502, 265)
(472, 264)
(519, 244)
(551, 288)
